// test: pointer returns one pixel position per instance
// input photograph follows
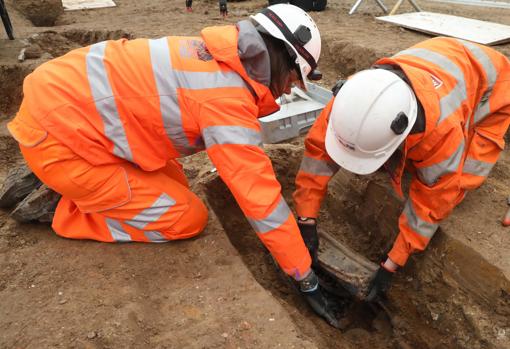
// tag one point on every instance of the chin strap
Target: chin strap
(297, 39)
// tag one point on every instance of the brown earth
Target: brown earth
(221, 290)
(42, 13)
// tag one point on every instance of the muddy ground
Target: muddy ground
(221, 290)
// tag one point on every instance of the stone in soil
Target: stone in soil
(39, 205)
(19, 183)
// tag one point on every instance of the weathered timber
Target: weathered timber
(351, 269)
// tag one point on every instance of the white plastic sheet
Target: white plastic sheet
(70, 5)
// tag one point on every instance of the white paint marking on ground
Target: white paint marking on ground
(482, 32)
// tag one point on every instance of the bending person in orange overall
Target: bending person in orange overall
(103, 126)
(440, 109)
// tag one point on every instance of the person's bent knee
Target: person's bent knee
(192, 222)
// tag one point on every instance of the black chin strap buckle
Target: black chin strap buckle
(303, 34)
(338, 86)
(400, 123)
(296, 39)
(315, 75)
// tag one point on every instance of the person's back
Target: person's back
(460, 73)
(118, 99)
(462, 87)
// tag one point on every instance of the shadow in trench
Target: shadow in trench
(353, 315)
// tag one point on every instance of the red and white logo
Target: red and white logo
(436, 81)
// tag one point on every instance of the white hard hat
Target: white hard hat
(372, 114)
(297, 29)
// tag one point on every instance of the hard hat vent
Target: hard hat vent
(400, 123)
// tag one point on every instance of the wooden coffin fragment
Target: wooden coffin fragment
(352, 270)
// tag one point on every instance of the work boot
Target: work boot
(39, 206)
(19, 183)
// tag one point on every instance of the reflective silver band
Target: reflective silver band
(274, 220)
(166, 84)
(318, 167)
(168, 80)
(431, 174)
(491, 73)
(231, 135)
(477, 168)
(153, 213)
(453, 100)
(417, 224)
(105, 101)
(206, 80)
(155, 236)
(118, 233)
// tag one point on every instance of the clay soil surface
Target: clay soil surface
(222, 290)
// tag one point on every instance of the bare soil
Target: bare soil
(221, 289)
(42, 13)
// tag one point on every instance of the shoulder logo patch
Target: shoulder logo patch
(436, 81)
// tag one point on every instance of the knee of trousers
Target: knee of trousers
(191, 223)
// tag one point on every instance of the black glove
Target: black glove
(379, 284)
(310, 289)
(309, 235)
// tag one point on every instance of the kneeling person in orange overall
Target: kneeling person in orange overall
(103, 126)
(439, 109)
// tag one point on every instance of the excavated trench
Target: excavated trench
(448, 297)
(368, 323)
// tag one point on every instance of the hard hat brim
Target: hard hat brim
(347, 158)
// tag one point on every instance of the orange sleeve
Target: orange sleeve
(316, 169)
(231, 134)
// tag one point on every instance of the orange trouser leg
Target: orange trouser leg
(116, 202)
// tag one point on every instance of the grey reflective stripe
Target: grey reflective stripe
(477, 168)
(152, 214)
(483, 108)
(168, 80)
(318, 167)
(418, 225)
(155, 236)
(274, 220)
(453, 100)
(166, 83)
(118, 233)
(231, 135)
(206, 80)
(430, 174)
(105, 102)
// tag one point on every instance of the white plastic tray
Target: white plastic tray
(297, 114)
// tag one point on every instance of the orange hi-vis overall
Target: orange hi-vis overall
(103, 125)
(464, 90)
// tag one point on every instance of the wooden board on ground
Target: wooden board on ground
(70, 5)
(482, 32)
